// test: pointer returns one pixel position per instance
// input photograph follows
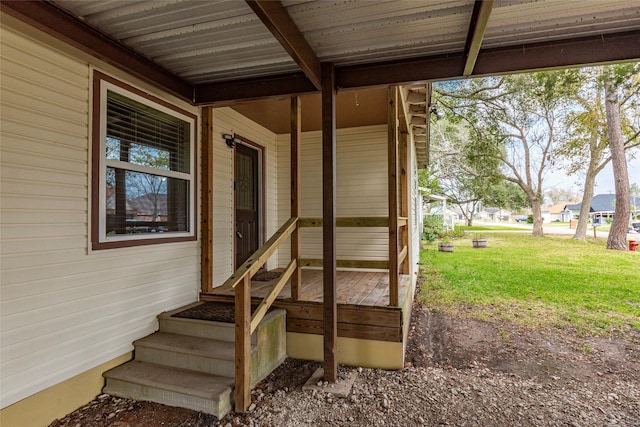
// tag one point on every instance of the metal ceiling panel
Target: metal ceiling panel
(198, 41)
(219, 40)
(519, 22)
(348, 33)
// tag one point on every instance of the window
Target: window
(143, 168)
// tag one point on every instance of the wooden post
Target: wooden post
(392, 159)
(330, 322)
(243, 344)
(206, 219)
(404, 197)
(296, 148)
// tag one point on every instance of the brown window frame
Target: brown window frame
(98, 162)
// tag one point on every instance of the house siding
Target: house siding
(227, 120)
(361, 190)
(64, 308)
(415, 204)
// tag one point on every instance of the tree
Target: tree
(559, 195)
(618, 231)
(460, 176)
(514, 120)
(587, 144)
(506, 195)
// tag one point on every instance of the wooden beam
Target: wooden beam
(296, 196)
(277, 20)
(243, 345)
(554, 54)
(477, 26)
(259, 257)
(425, 163)
(402, 255)
(347, 263)
(562, 53)
(330, 324)
(206, 219)
(348, 222)
(589, 50)
(404, 198)
(392, 181)
(57, 22)
(264, 306)
(230, 92)
(347, 313)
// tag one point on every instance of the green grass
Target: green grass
(537, 282)
(474, 228)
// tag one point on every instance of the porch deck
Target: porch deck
(363, 304)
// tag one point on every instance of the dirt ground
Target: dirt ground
(511, 377)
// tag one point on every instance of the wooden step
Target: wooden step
(171, 386)
(187, 352)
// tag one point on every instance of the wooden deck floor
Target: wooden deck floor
(352, 287)
(363, 304)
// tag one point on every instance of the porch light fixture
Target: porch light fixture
(230, 139)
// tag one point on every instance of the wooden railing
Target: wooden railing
(245, 323)
(240, 281)
(397, 254)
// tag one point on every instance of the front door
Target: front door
(246, 202)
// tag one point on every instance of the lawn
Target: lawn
(538, 282)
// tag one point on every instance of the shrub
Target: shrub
(457, 233)
(433, 228)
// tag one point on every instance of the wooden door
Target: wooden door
(246, 202)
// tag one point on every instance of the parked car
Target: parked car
(521, 219)
(636, 226)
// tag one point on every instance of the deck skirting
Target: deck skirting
(360, 322)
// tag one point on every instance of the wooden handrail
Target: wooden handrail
(255, 261)
(355, 221)
(402, 254)
(245, 324)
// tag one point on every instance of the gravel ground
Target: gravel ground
(460, 372)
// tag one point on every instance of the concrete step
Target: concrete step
(221, 331)
(187, 352)
(186, 364)
(171, 386)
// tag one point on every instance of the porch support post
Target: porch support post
(404, 197)
(330, 323)
(296, 139)
(392, 180)
(243, 344)
(206, 219)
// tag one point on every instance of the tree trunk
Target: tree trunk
(618, 231)
(587, 197)
(537, 217)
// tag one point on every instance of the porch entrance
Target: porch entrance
(247, 202)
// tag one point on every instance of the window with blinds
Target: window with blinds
(146, 169)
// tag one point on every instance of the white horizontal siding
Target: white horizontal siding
(414, 216)
(227, 120)
(63, 308)
(361, 190)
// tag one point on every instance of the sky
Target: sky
(604, 181)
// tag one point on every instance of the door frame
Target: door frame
(261, 191)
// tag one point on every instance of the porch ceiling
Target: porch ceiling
(228, 50)
(225, 51)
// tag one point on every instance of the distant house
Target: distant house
(602, 206)
(559, 212)
(496, 214)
